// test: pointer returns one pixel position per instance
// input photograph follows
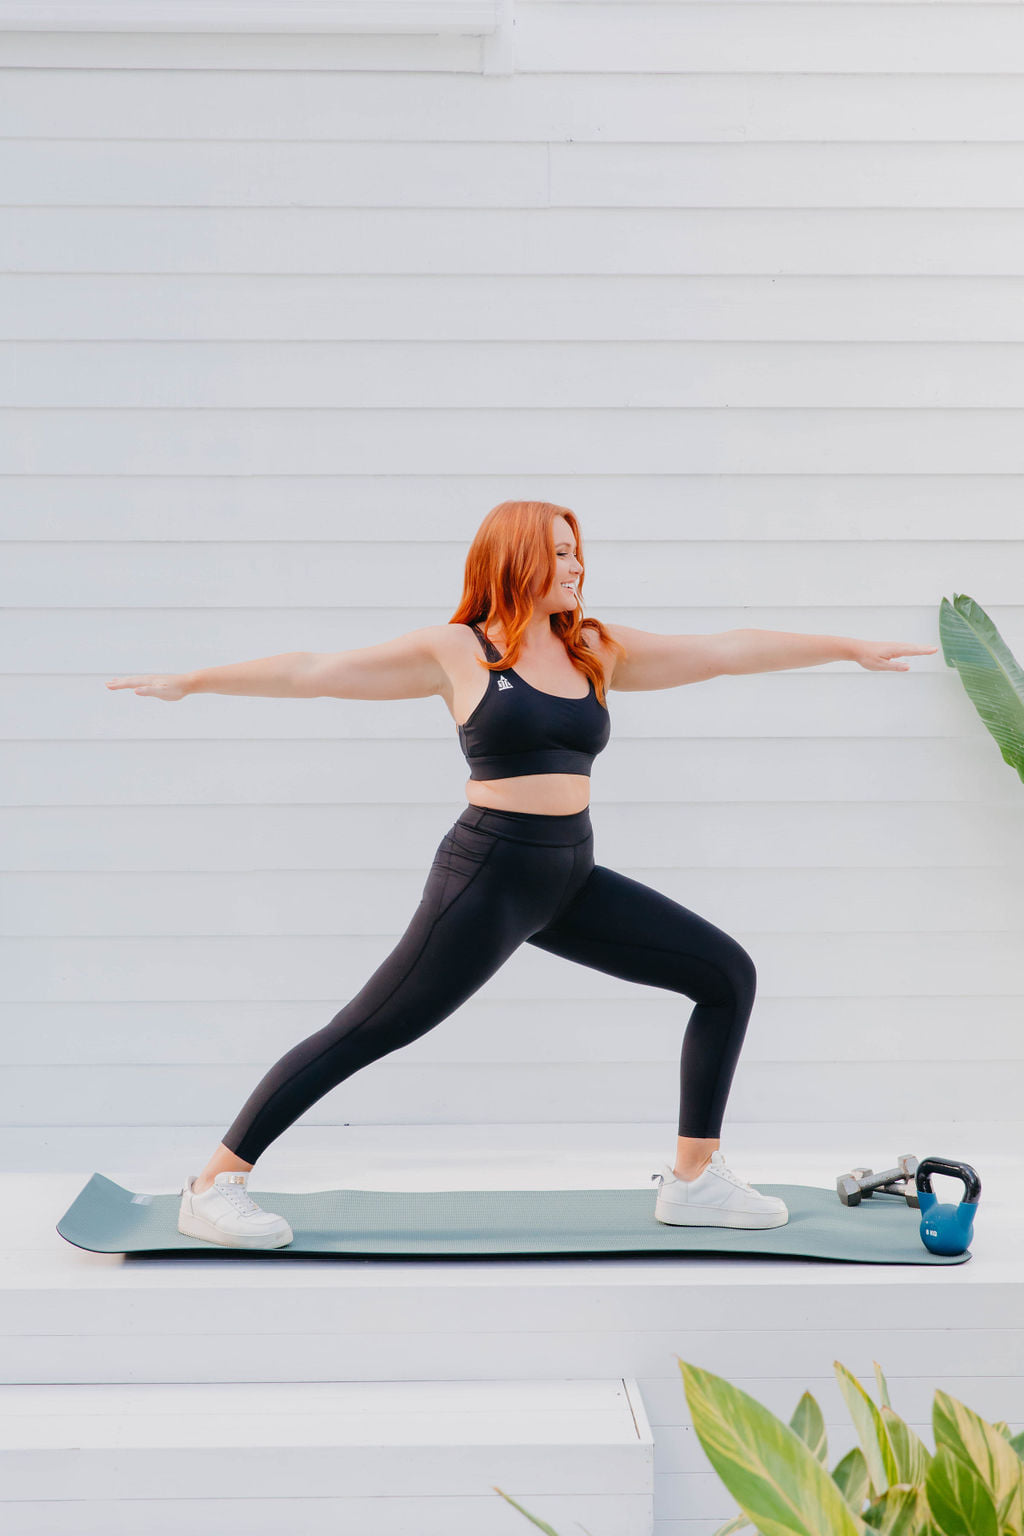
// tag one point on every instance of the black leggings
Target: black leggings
(499, 878)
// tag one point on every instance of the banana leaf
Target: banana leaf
(989, 672)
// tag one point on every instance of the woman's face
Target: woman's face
(561, 595)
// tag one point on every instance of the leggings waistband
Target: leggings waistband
(528, 827)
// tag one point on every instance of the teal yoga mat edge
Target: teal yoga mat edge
(105, 1217)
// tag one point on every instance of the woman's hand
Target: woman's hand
(877, 655)
(154, 686)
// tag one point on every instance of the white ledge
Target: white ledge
(477, 17)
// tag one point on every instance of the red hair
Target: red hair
(514, 545)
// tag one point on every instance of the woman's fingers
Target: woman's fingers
(151, 685)
(879, 655)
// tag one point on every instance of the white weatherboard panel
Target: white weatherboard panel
(283, 315)
(228, 16)
(608, 109)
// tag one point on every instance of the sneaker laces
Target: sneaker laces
(239, 1197)
(718, 1165)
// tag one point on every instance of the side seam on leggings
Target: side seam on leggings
(407, 971)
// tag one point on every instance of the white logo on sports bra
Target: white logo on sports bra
(503, 682)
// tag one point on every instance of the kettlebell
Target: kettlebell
(947, 1228)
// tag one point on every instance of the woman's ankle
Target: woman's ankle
(689, 1172)
(222, 1161)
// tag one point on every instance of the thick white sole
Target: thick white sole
(706, 1216)
(190, 1225)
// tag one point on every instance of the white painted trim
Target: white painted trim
(478, 17)
(499, 47)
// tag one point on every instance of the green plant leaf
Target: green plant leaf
(808, 1421)
(734, 1525)
(871, 1431)
(851, 1476)
(989, 672)
(777, 1482)
(912, 1455)
(1017, 1441)
(881, 1383)
(960, 1503)
(548, 1530)
(988, 1453)
(901, 1511)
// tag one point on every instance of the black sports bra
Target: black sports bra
(517, 729)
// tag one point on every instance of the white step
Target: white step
(375, 1457)
(774, 1327)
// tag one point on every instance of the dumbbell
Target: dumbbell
(861, 1184)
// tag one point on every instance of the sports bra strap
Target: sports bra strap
(490, 651)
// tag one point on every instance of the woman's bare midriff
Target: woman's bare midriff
(541, 794)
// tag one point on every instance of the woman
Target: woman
(518, 863)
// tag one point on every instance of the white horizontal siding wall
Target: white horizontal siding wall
(284, 315)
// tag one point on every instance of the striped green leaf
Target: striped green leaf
(966, 1435)
(989, 672)
(851, 1477)
(775, 1479)
(808, 1422)
(960, 1503)
(734, 1525)
(911, 1453)
(871, 1431)
(541, 1525)
(901, 1511)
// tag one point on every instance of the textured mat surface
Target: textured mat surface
(107, 1218)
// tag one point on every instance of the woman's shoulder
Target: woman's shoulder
(592, 638)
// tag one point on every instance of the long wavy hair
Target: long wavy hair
(514, 545)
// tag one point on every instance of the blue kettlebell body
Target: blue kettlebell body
(947, 1228)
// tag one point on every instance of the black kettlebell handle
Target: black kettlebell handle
(962, 1171)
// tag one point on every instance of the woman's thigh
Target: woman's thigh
(462, 931)
(627, 929)
(469, 920)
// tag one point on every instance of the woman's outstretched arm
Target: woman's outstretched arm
(411, 666)
(408, 667)
(772, 650)
(270, 677)
(666, 661)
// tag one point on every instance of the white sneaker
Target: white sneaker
(226, 1213)
(715, 1198)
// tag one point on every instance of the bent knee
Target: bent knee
(736, 975)
(743, 968)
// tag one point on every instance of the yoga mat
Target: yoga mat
(107, 1218)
